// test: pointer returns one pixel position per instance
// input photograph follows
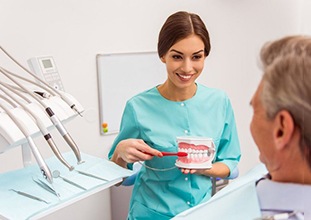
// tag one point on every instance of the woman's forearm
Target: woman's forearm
(218, 170)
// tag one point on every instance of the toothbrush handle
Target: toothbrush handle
(169, 153)
(179, 154)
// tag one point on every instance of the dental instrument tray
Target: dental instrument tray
(27, 195)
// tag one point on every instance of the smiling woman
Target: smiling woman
(153, 119)
(184, 64)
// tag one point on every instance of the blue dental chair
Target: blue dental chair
(219, 183)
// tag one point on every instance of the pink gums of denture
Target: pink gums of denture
(190, 159)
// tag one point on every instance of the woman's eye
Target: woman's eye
(197, 57)
(177, 57)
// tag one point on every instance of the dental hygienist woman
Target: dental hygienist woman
(179, 107)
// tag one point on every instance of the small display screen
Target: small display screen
(47, 63)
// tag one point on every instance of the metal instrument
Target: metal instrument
(56, 174)
(29, 196)
(91, 175)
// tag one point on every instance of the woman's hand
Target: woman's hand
(187, 171)
(133, 150)
(218, 170)
(195, 171)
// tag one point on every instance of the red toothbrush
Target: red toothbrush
(179, 154)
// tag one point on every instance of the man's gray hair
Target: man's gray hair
(286, 81)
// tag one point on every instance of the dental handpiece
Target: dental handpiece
(52, 116)
(40, 125)
(46, 172)
(47, 136)
(57, 153)
(64, 133)
(35, 151)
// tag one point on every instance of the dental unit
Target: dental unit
(46, 134)
(46, 86)
(27, 110)
(55, 120)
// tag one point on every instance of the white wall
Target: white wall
(74, 31)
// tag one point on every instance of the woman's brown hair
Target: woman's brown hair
(179, 26)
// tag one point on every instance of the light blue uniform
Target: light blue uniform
(158, 121)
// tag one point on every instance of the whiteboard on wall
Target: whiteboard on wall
(121, 76)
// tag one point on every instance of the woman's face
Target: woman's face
(185, 61)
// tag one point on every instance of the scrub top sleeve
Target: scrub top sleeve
(128, 128)
(229, 146)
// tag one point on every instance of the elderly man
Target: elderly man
(281, 128)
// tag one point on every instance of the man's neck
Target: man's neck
(299, 173)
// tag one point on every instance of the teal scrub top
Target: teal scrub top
(158, 121)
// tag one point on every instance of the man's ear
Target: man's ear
(283, 129)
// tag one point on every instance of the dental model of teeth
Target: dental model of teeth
(200, 150)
